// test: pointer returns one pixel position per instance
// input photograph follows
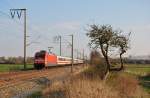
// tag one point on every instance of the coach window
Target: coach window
(62, 59)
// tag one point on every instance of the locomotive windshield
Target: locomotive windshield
(40, 54)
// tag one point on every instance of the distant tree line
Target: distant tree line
(15, 60)
(136, 61)
(96, 58)
(130, 61)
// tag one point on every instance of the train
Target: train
(43, 59)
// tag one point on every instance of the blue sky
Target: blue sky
(49, 18)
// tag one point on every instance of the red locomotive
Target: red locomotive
(44, 59)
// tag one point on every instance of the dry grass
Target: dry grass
(89, 84)
(85, 88)
(123, 86)
(80, 88)
(127, 86)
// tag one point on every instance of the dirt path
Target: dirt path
(26, 82)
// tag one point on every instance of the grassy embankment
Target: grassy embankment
(142, 72)
(13, 67)
(88, 84)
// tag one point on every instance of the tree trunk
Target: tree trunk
(108, 63)
(106, 59)
(121, 61)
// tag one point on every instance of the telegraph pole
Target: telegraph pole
(86, 60)
(60, 44)
(19, 13)
(77, 54)
(72, 54)
(59, 40)
(83, 57)
(25, 32)
(80, 55)
(83, 54)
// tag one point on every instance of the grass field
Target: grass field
(118, 84)
(138, 69)
(13, 67)
(142, 72)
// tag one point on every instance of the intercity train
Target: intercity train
(44, 59)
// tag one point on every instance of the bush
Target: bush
(121, 86)
(80, 88)
(95, 71)
(126, 85)
(98, 66)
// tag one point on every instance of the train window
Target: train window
(40, 55)
(61, 59)
(37, 55)
(64, 59)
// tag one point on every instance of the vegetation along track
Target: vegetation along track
(11, 79)
(23, 83)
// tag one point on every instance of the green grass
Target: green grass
(35, 95)
(13, 67)
(139, 69)
(145, 82)
(142, 72)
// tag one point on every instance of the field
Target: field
(133, 82)
(20, 84)
(13, 67)
(138, 69)
(142, 72)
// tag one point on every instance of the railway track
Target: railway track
(11, 80)
(8, 78)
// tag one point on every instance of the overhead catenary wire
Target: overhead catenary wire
(20, 24)
(38, 34)
(38, 31)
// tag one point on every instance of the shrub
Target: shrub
(126, 85)
(121, 86)
(80, 88)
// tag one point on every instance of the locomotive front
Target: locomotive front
(39, 60)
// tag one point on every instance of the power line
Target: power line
(21, 24)
(45, 37)
(10, 18)
(10, 5)
(5, 24)
(12, 11)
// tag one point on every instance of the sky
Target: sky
(49, 18)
